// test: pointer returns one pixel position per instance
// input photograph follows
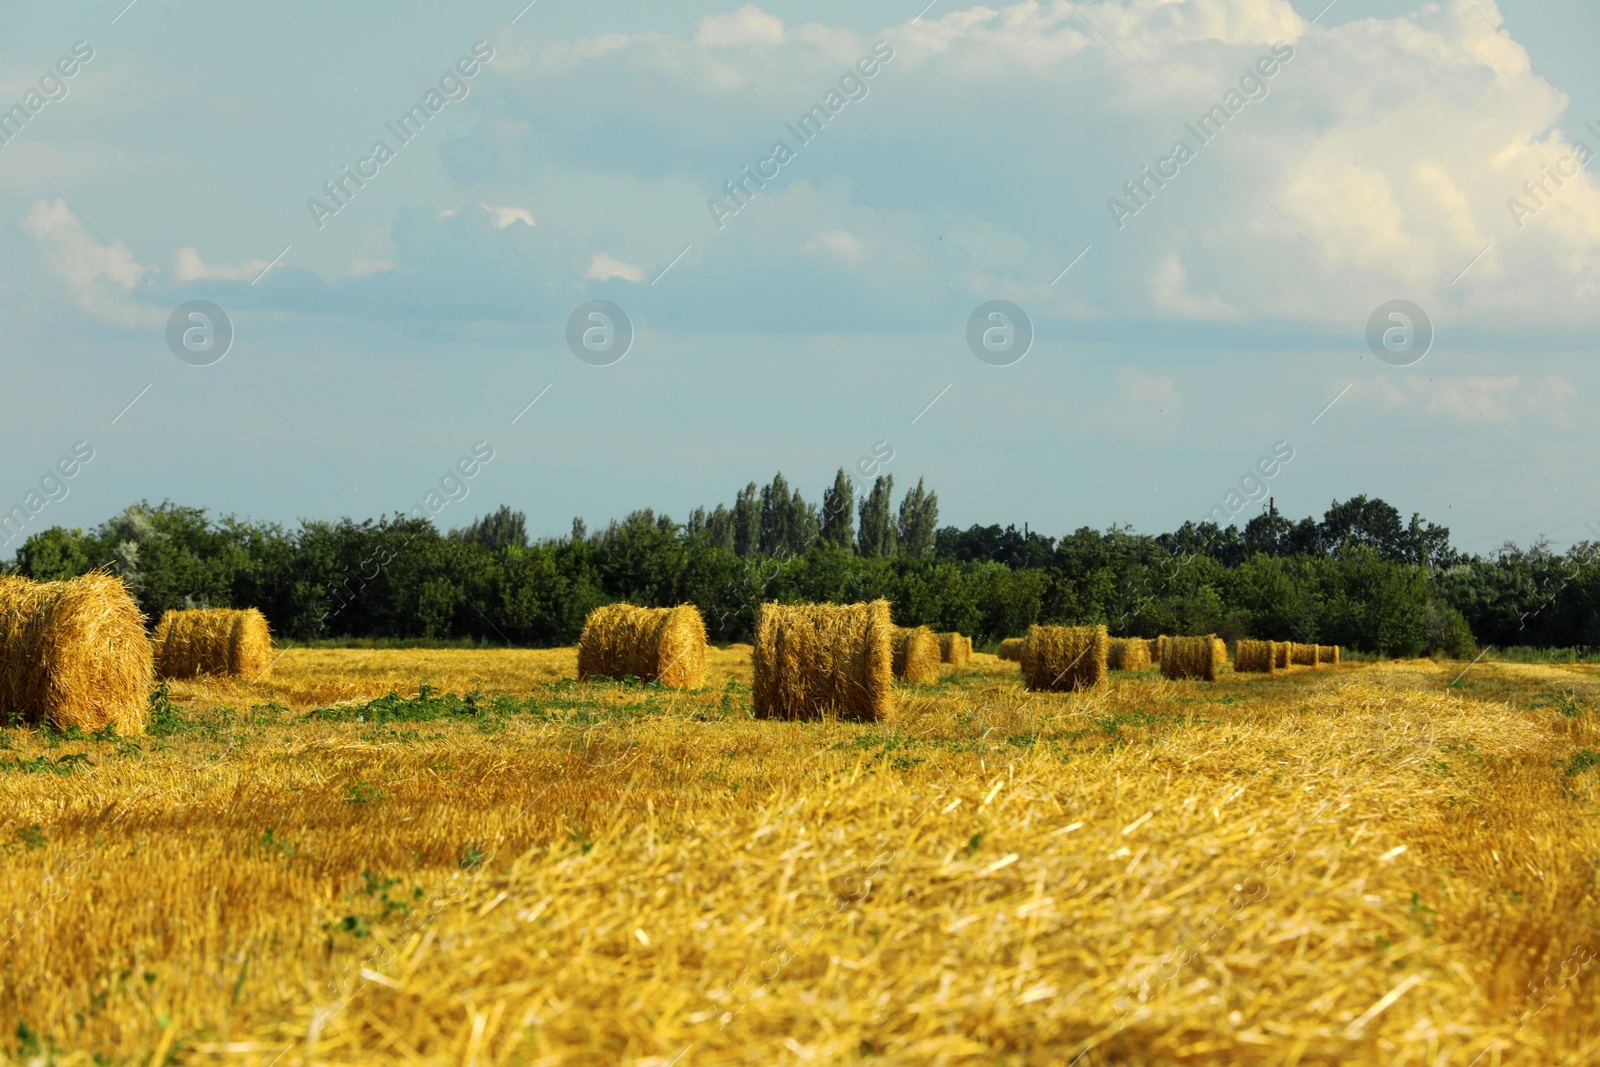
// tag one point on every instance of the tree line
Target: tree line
(1360, 576)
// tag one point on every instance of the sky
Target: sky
(1363, 235)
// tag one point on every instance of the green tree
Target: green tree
(838, 512)
(875, 535)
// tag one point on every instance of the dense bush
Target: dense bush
(1358, 578)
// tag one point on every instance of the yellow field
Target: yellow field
(1351, 865)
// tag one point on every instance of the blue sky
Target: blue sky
(1377, 163)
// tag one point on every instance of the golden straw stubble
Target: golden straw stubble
(916, 654)
(227, 642)
(1064, 657)
(73, 653)
(665, 645)
(815, 660)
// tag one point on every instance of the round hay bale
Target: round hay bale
(665, 645)
(1280, 655)
(1219, 649)
(916, 655)
(1253, 657)
(1185, 658)
(1330, 654)
(227, 642)
(73, 653)
(1011, 649)
(813, 660)
(955, 649)
(1153, 646)
(1064, 657)
(1128, 654)
(1302, 655)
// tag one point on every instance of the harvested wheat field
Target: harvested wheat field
(469, 857)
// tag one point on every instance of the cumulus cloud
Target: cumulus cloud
(843, 248)
(189, 267)
(603, 267)
(100, 277)
(505, 215)
(747, 26)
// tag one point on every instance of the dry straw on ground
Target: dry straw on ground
(1065, 657)
(1011, 649)
(666, 645)
(916, 655)
(1190, 658)
(1302, 655)
(1128, 654)
(1253, 657)
(955, 649)
(73, 653)
(815, 660)
(220, 641)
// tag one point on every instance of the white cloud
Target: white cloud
(1506, 400)
(747, 26)
(603, 267)
(100, 277)
(189, 267)
(843, 248)
(504, 216)
(1148, 404)
(1168, 292)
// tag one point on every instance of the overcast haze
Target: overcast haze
(1384, 158)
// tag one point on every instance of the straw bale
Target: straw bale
(666, 645)
(1190, 657)
(1302, 655)
(1328, 654)
(1065, 657)
(73, 653)
(1128, 654)
(219, 641)
(1280, 655)
(916, 654)
(1253, 657)
(813, 660)
(1219, 648)
(1154, 646)
(955, 649)
(1011, 649)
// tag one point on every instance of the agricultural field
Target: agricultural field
(470, 857)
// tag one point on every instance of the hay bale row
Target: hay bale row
(1184, 658)
(955, 649)
(813, 660)
(73, 653)
(1128, 654)
(916, 655)
(1254, 657)
(1280, 655)
(1011, 649)
(666, 645)
(227, 642)
(1058, 658)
